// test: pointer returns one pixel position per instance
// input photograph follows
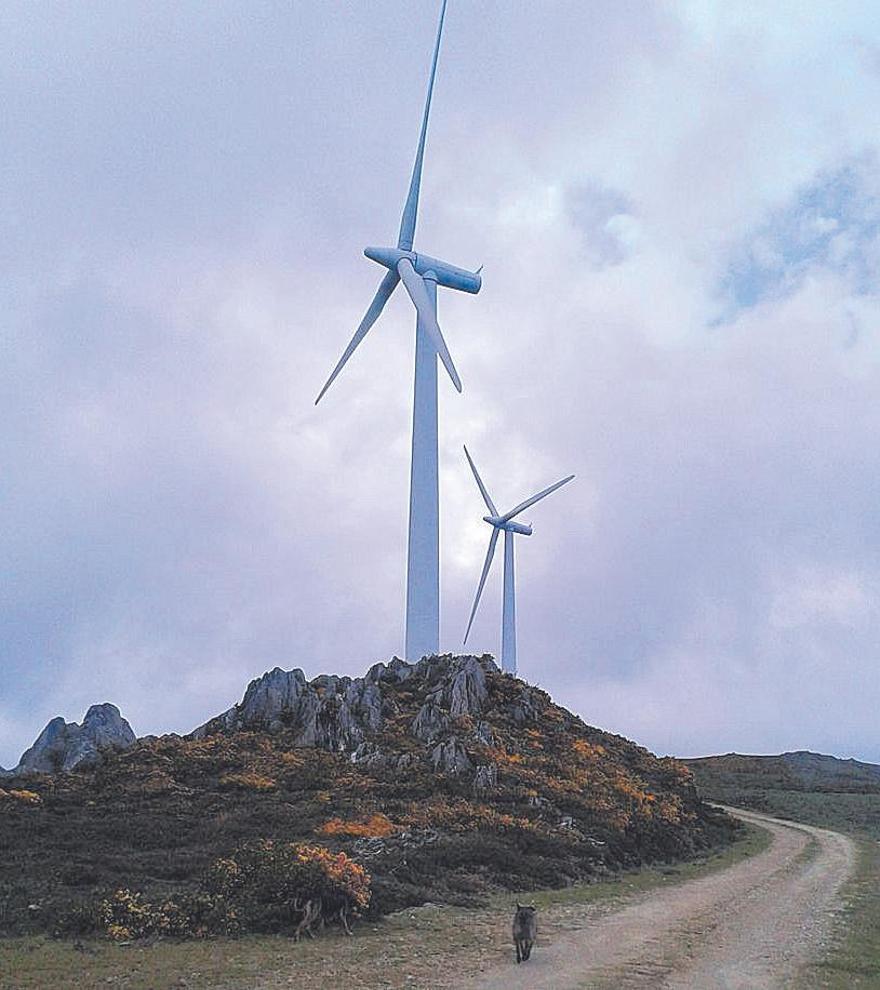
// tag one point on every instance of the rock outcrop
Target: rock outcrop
(64, 745)
(340, 714)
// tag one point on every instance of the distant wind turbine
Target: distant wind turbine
(504, 523)
(420, 275)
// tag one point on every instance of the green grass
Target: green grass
(856, 814)
(853, 959)
(408, 949)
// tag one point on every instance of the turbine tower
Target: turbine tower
(420, 275)
(504, 523)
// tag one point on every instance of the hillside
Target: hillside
(445, 778)
(808, 787)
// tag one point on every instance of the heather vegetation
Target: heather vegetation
(516, 793)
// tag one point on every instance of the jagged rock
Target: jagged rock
(450, 756)
(486, 777)
(368, 754)
(430, 723)
(269, 697)
(64, 745)
(340, 714)
(523, 709)
(468, 690)
(483, 733)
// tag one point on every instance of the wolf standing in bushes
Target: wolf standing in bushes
(525, 931)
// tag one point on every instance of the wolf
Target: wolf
(525, 931)
(320, 911)
(309, 913)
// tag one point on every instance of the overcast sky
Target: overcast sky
(678, 210)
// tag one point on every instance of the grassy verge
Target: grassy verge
(411, 949)
(853, 958)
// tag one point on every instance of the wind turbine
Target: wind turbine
(420, 275)
(504, 523)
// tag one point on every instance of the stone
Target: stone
(450, 756)
(483, 733)
(430, 722)
(468, 690)
(485, 777)
(63, 746)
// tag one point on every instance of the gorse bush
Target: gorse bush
(270, 882)
(262, 887)
(377, 826)
(21, 796)
(248, 781)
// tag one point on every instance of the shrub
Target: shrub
(248, 781)
(261, 887)
(126, 915)
(267, 882)
(376, 826)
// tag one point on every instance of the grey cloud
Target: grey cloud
(191, 189)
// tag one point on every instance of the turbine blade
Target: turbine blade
(493, 539)
(486, 498)
(411, 207)
(414, 285)
(535, 498)
(386, 287)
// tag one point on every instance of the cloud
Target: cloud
(676, 208)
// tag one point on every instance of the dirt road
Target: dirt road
(749, 927)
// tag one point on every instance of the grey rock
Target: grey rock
(483, 733)
(523, 709)
(369, 755)
(269, 697)
(468, 690)
(64, 745)
(451, 756)
(485, 777)
(341, 714)
(430, 723)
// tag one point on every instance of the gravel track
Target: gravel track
(749, 927)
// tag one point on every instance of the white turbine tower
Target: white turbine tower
(420, 275)
(504, 523)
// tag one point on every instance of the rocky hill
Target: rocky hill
(444, 777)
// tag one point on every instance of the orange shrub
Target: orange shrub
(248, 781)
(376, 826)
(583, 748)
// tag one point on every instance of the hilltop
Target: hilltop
(809, 787)
(445, 778)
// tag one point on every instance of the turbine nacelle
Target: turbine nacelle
(445, 274)
(508, 525)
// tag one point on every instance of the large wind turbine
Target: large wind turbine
(420, 276)
(504, 523)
